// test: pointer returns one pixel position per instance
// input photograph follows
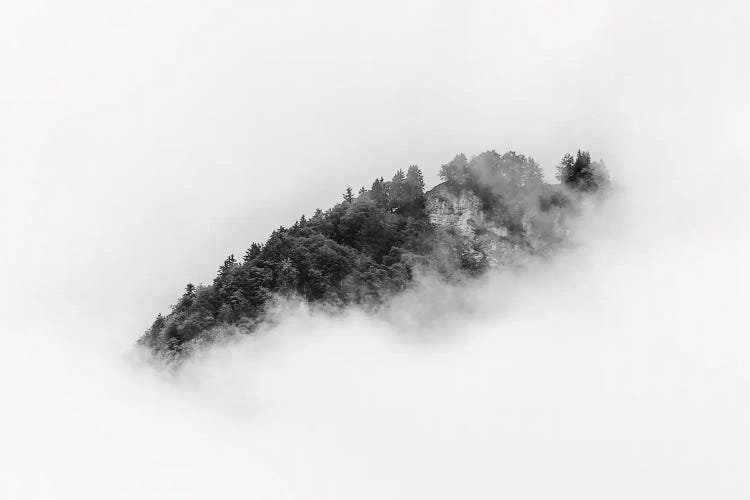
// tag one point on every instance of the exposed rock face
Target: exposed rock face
(481, 238)
(459, 209)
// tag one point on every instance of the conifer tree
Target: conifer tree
(415, 181)
(413, 195)
(253, 252)
(379, 194)
(227, 266)
(565, 169)
(399, 177)
(582, 169)
(580, 173)
(158, 323)
(396, 190)
(348, 195)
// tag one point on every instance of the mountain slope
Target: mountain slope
(494, 210)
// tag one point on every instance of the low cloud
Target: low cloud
(142, 145)
(613, 370)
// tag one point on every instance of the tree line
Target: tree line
(364, 249)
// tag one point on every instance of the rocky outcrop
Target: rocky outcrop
(460, 209)
(482, 239)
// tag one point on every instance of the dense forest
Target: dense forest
(367, 248)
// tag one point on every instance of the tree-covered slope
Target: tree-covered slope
(367, 248)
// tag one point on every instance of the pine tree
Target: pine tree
(226, 267)
(348, 195)
(582, 166)
(252, 253)
(413, 195)
(415, 181)
(158, 324)
(565, 169)
(396, 190)
(581, 173)
(399, 177)
(379, 193)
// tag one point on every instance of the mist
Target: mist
(141, 146)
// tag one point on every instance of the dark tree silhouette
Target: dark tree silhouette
(379, 193)
(397, 190)
(413, 193)
(581, 173)
(252, 253)
(365, 249)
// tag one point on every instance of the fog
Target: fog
(142, 143)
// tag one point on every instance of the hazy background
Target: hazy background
(142, 142)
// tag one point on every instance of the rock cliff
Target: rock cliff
(484, 236)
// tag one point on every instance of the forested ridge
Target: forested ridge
(367, 248)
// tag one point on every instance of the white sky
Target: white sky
(141, 142)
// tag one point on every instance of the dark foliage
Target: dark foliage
(362, 250)
(582, 174)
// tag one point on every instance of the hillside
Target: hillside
(493, 210)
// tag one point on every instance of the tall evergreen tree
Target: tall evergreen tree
(565, 169)
(399, 177)
(252, 253)
(396, 190)
(226, 267)
(413, 196)
(578, 173)
(415, 181)
(379, 193)
(581, 173)
(582, 167)
(348, 195)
